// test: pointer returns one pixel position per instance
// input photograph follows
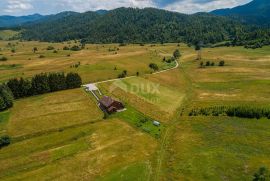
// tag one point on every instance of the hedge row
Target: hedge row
(233, 111)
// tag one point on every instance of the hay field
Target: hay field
(97, 62)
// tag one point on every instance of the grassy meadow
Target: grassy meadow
(96, 62)
(64, 136)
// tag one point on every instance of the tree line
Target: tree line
(43, 83)
(233, 111)
(6, 97)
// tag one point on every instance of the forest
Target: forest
(149, 25)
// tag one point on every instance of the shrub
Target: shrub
(41, 56)
(123, 74)
(221, 63)
(207, 63)
(66, 48)
(4, 141)
(3, 59)
(261, 175)
(50, 48)
(153, 66)
(201, 64)
(176, 54)
(75, 48)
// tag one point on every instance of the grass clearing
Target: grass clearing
(140, 121)
(211, 148)
(52, 111)
(79, 153)
(135, 172)
(4, 117)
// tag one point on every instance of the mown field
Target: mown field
(64, 136)
(96, 62)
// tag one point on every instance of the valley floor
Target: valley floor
(64, 136)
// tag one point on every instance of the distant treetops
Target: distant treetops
(39, 84)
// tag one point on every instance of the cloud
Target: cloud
(17, 6)
(86, 5)
(192, 6)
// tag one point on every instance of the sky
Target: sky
(26, 7)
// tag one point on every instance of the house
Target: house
(110, 105)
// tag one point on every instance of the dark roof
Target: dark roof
(106, 101)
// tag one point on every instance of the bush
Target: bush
(75, 48)
(3, 59)
(176, 54)
(50, 48)
(153, 66)
(123, 74)
(221, 63)
(66, 48)
(207, 63)
(261, 175)
(4, 141)
(41, 56)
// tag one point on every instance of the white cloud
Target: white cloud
(18, 6)
(22, 7)
(191, 6)
(86, 5)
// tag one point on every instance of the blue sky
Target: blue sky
(26, 7)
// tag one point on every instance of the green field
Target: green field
(64, 136)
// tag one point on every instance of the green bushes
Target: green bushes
(123, 74)
(208, 64)
(50, 48)
(153, 66)
(262, 175)
(3, 59)
(75, 48)
(233, 111)
(43, 83)
(6, 98)
(4, 141)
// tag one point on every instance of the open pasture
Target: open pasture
(79, 153)
(93, 63)
(217, 148)
(51, 112)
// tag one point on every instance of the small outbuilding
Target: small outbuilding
(110, 105)
(156, 123)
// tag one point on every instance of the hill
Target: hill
(256, 12)
(11, 21)
(149, 25)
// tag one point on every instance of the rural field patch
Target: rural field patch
(52, 111)
(79, 153)
(217, 148)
